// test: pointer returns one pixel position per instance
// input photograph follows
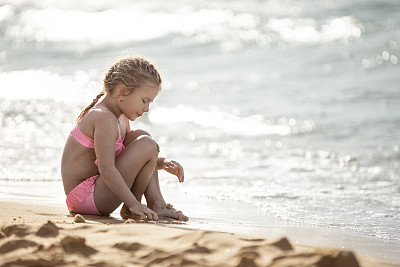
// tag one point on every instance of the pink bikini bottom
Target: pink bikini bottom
(80, 199)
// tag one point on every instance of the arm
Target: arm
(172, 167)
(105, 134)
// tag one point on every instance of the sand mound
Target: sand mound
(79, 219)
(48, 230)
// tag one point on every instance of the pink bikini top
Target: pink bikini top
(89, 142)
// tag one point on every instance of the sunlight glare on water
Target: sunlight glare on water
(292, 106)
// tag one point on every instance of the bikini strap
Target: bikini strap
(126, 126)
(119, 130)
(99, 107)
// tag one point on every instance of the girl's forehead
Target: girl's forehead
(148, 90)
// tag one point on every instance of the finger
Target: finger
(181, 175)
(141, 214)
(148, 215)
(168, 164)
(180, 168)
(155, 216)
(151, 215)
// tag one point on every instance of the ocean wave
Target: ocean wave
(44, 84)
(228, 123)
(101, 25)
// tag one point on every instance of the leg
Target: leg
(156, 202)
(136, 165)
(154, 198)
(153, 194)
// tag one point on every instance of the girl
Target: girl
(104, 162)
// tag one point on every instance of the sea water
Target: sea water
(290, 106)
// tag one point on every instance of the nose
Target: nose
(146, 107)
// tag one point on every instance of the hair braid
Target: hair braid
(91, 105)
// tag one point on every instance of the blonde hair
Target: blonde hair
(132, 72)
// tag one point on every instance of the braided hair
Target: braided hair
(130, 71)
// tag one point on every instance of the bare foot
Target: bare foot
(168, 211)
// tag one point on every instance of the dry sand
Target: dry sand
(38, 235)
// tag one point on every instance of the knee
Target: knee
(133, 135)
(139, 132)
(149, 144)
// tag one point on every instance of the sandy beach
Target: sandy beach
(41, 235)
(283, 114)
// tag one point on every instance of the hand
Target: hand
(174, 168)
(143, 211)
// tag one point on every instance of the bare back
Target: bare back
(77, 163)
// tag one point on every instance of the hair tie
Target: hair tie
(95, 100)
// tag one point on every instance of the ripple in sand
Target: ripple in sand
(282, 243)
(322, 259)
(36, 262)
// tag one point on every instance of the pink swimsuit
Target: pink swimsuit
(80, 199)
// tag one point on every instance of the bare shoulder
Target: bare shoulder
(101, 119)
(104, 120)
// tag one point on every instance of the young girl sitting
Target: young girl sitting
(104, 162)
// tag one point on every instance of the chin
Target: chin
(133, 117)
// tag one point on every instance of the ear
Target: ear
(121, 90)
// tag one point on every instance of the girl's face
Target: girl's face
(137, 103)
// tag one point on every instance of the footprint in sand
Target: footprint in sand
(16, 244)
(247, 262)
(196, 248)
(16, 229)
(128, 246)
(76, 244)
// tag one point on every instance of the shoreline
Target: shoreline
(216, 216)
(39, 234)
